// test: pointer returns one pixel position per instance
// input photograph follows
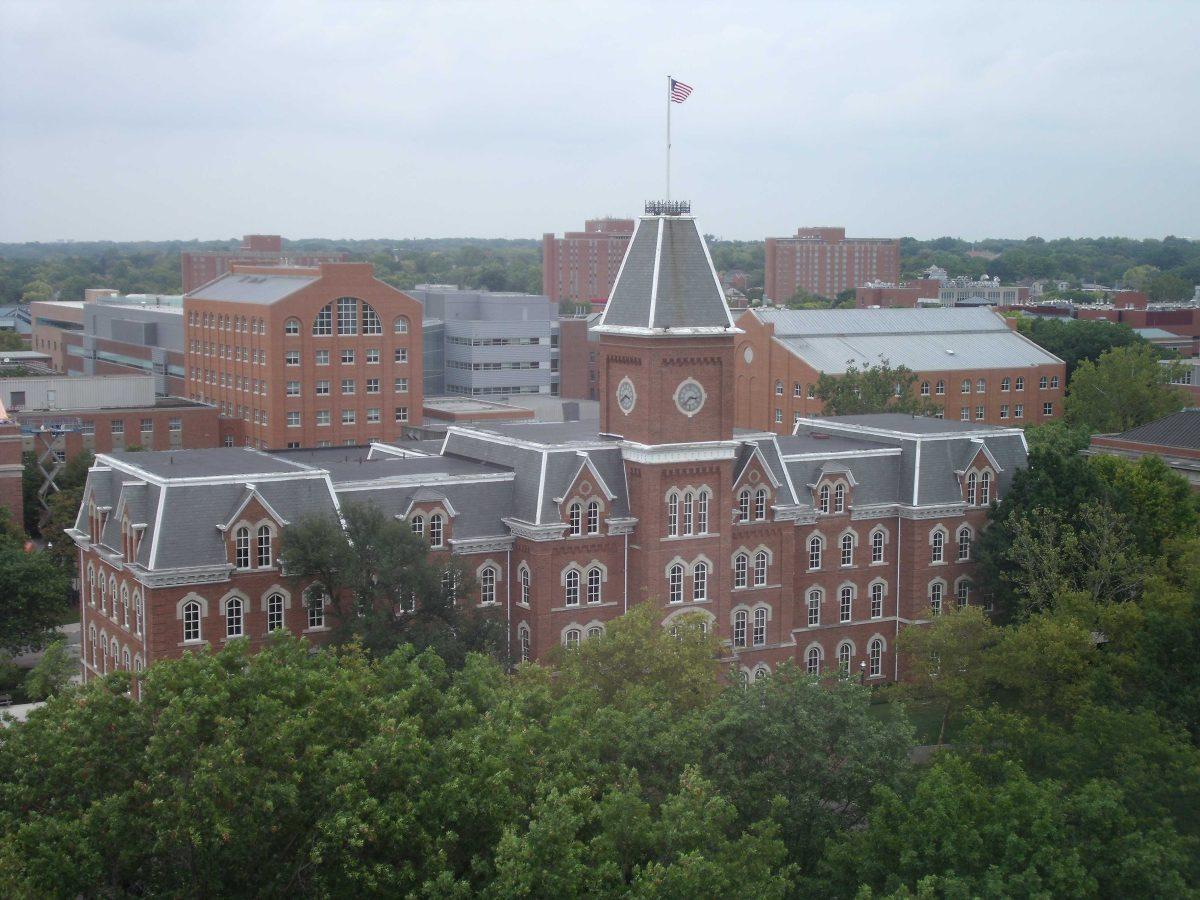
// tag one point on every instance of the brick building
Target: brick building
(1174, 438)
(968, 361)
(306, 357)
(199, 267)
(815, 547)
(582, 266)
(823, 261)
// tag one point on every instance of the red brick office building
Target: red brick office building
(199, 267)
(306, 357)
(823, 261)
(582, 266)
(815, 547)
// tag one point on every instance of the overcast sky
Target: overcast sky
(155, 120)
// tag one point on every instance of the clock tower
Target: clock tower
(666, 337)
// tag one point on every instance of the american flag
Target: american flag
(679, 91)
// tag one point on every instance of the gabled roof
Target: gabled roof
(667, 283)
(1181, 429)
(246, 287)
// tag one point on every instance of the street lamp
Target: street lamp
(862, 672)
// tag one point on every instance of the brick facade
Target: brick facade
(582, 266)
(824, 262)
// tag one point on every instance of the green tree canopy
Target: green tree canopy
(1124, 388)
(871, 389)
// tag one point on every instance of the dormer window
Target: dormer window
(241, 548)
(744, 505)
(264, 546)
(593, 517)
(418, 525)
(823, 498)
(436, 524)
(839, 498)
(971, 480)
(575, 519)
(760, 504)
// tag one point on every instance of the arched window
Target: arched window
(843, 653)
(291, 327)
(323, 323)
(92, 636)
(673, 514)
(700, 581)
(702, 512)
(400, 325)
(487, 585)
(741, 568)
(941, 388)
(778, 388)
(233, 617)
(938, 543)
(847, 550)
(436, 530)
(762, 673)
(139, 612)
(760, 627)
(138, 665)
(347, 315)
(572, 586)
(812, 661)
(875, 654)
(760, 568)
(740, 619)
(877, 545)
(316, 612)
(924, 388)
(981, 386)
(191, 621)
(523, 641)
(760, 504)
(595, 631)
(418, 524)
(571, 638)
(103, 595)
(125, 605)
(814, 607)
(877, 601)
(275, 612)
(966, 385)
(935, 597)
(962, 592)
(125, 659)
(264, 546)
(985, 488)
(971, 489)
(845, 603)
(575, 519)
(823, 498)
(241, 548)
(593, 585)
(964, 544)
(593, 517)
(744, 505)
(370, 320)
(91, 585)
(814, 553)
(675, 584)
(115, 652)
(687, 512)
(112, 592)
(523, 578)
(839, 498)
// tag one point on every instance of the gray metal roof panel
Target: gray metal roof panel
(213, 462)
(859, 322)
(935, 352)
(245, 287)
(1181, 429)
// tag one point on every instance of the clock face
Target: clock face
(626, 395)
(690, 397)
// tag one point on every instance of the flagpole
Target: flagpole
(668, 138)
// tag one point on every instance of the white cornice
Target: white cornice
(532, 532)
(429, 479)
(833, 424)
(692, 331)
(701, 451)
(843, 454)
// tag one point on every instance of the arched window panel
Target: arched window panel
(741, 568)
(347, 316)
(370, 320)
(323, 323)
(740, 620)
(675, 584)
(571, 597)
(812, 661)
(400, 325)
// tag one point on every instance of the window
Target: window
(147, 426)
(373, 416)
(847, 550)
(741, 570)
(760, 568)
(575, 519)
(702, 512)
(964, 544)
(760, 504)
(323, 417)
(347, 357)
(760, 627)
(347, 310)
(979, 413)
(292, 389)
(241, 548)
(1020, 383)
(316, 612)
(523, 641)
(291, 358)
(418, 525)
(1003, 410)
(778, 388)
(322, 389)
(593, 517)
(964, 414)
(275, 612)
(291, 327)
(675, 584)
(778, 415)
(797, 389)
(877, 601)
(812, 661)
(372, 356)
(1047, 409)
(348, 417)
(400, 355)
(571, 638)
(941, 388)
(814, 553)
(938, 542)
(1043, 382)
(1005, 383)
(875, 655)
(323, 323)
(673, 514)
(400, 325)
(981, 386)
(322, 357)
(118, 426)
(700, 581)
(401, 385)
(1053, 381)
(348, 386)
(962, 592)
(572, 588)
(744, 505)
(843, 654)
(523, 579)
(845, 603)
(971, 481)
(487, 585)
(1019, 411)
(985, 488)
(966, 385)
(370, 320)
(293, 419)
(877, 545)
(935, 597)
(139, 612)
(814, 608)
(594, 578)
(191, 621)
(372, 385)
(823, 498)
(595, 631)
(812, 392)
(924, 388)
(401, 413)
(264, 546)
(740, 620)
(687, 512)
(436, 531)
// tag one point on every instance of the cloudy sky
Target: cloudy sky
(154, 120)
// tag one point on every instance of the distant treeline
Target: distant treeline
(34, 271)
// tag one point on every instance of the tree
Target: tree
(1139, 278)
(871, 389)
(1076, 340)
(52, 673)
(384, 587)
(33, 595)
(1169, 287)
(946, 660)
(37, 291)
(10, 340)
(1124, 388)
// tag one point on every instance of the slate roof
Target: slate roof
(1181, 429)
(245, 287)
(667, 282)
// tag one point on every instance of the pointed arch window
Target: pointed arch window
(877, 545)
(594, 579)
(740, 620)
(760, 568)
(971, 489)
(275, 612)
(191, 622)
(436, 531)
(814, 553)
(571, 638)
(700, 581)
(985, 488)
(962, 592)
(938, 541)
(843, 654)
(702, 512)
(572, 592)
(575, 519)
(839, 498)
(523, 641)
(812, 661)
(814, 607)
(593, 517)
(741, 568)
(847, 550)
(264, 546)
(523, 577)
(877, 601)
(760, 504)
(418, 525)
(744, 505)
(233, 617)
(487, 586)
(760, 627)
(845, 603)
(675, 584)
(875, 655)
(964, 544)
(241, 548)
(673, 514)
(935, 597)
(687, 512)
(823, 498)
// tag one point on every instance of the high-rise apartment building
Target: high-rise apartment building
(823, 261)
(306, 357)
(581, 266)
(202, 266)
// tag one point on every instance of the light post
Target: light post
(862, 672)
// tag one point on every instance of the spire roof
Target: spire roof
(667, 283)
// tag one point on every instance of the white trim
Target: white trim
(757, 452)
(620, 270)
(689, 331)
(841, 454)
(707, 451)
(983, 431)
(591, 467)
(717, 282)
(916, 475)
(435, 479)
(251, 493)
(537, 513)
(654, 283)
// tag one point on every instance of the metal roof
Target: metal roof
(245, 287)
(1181, 429)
